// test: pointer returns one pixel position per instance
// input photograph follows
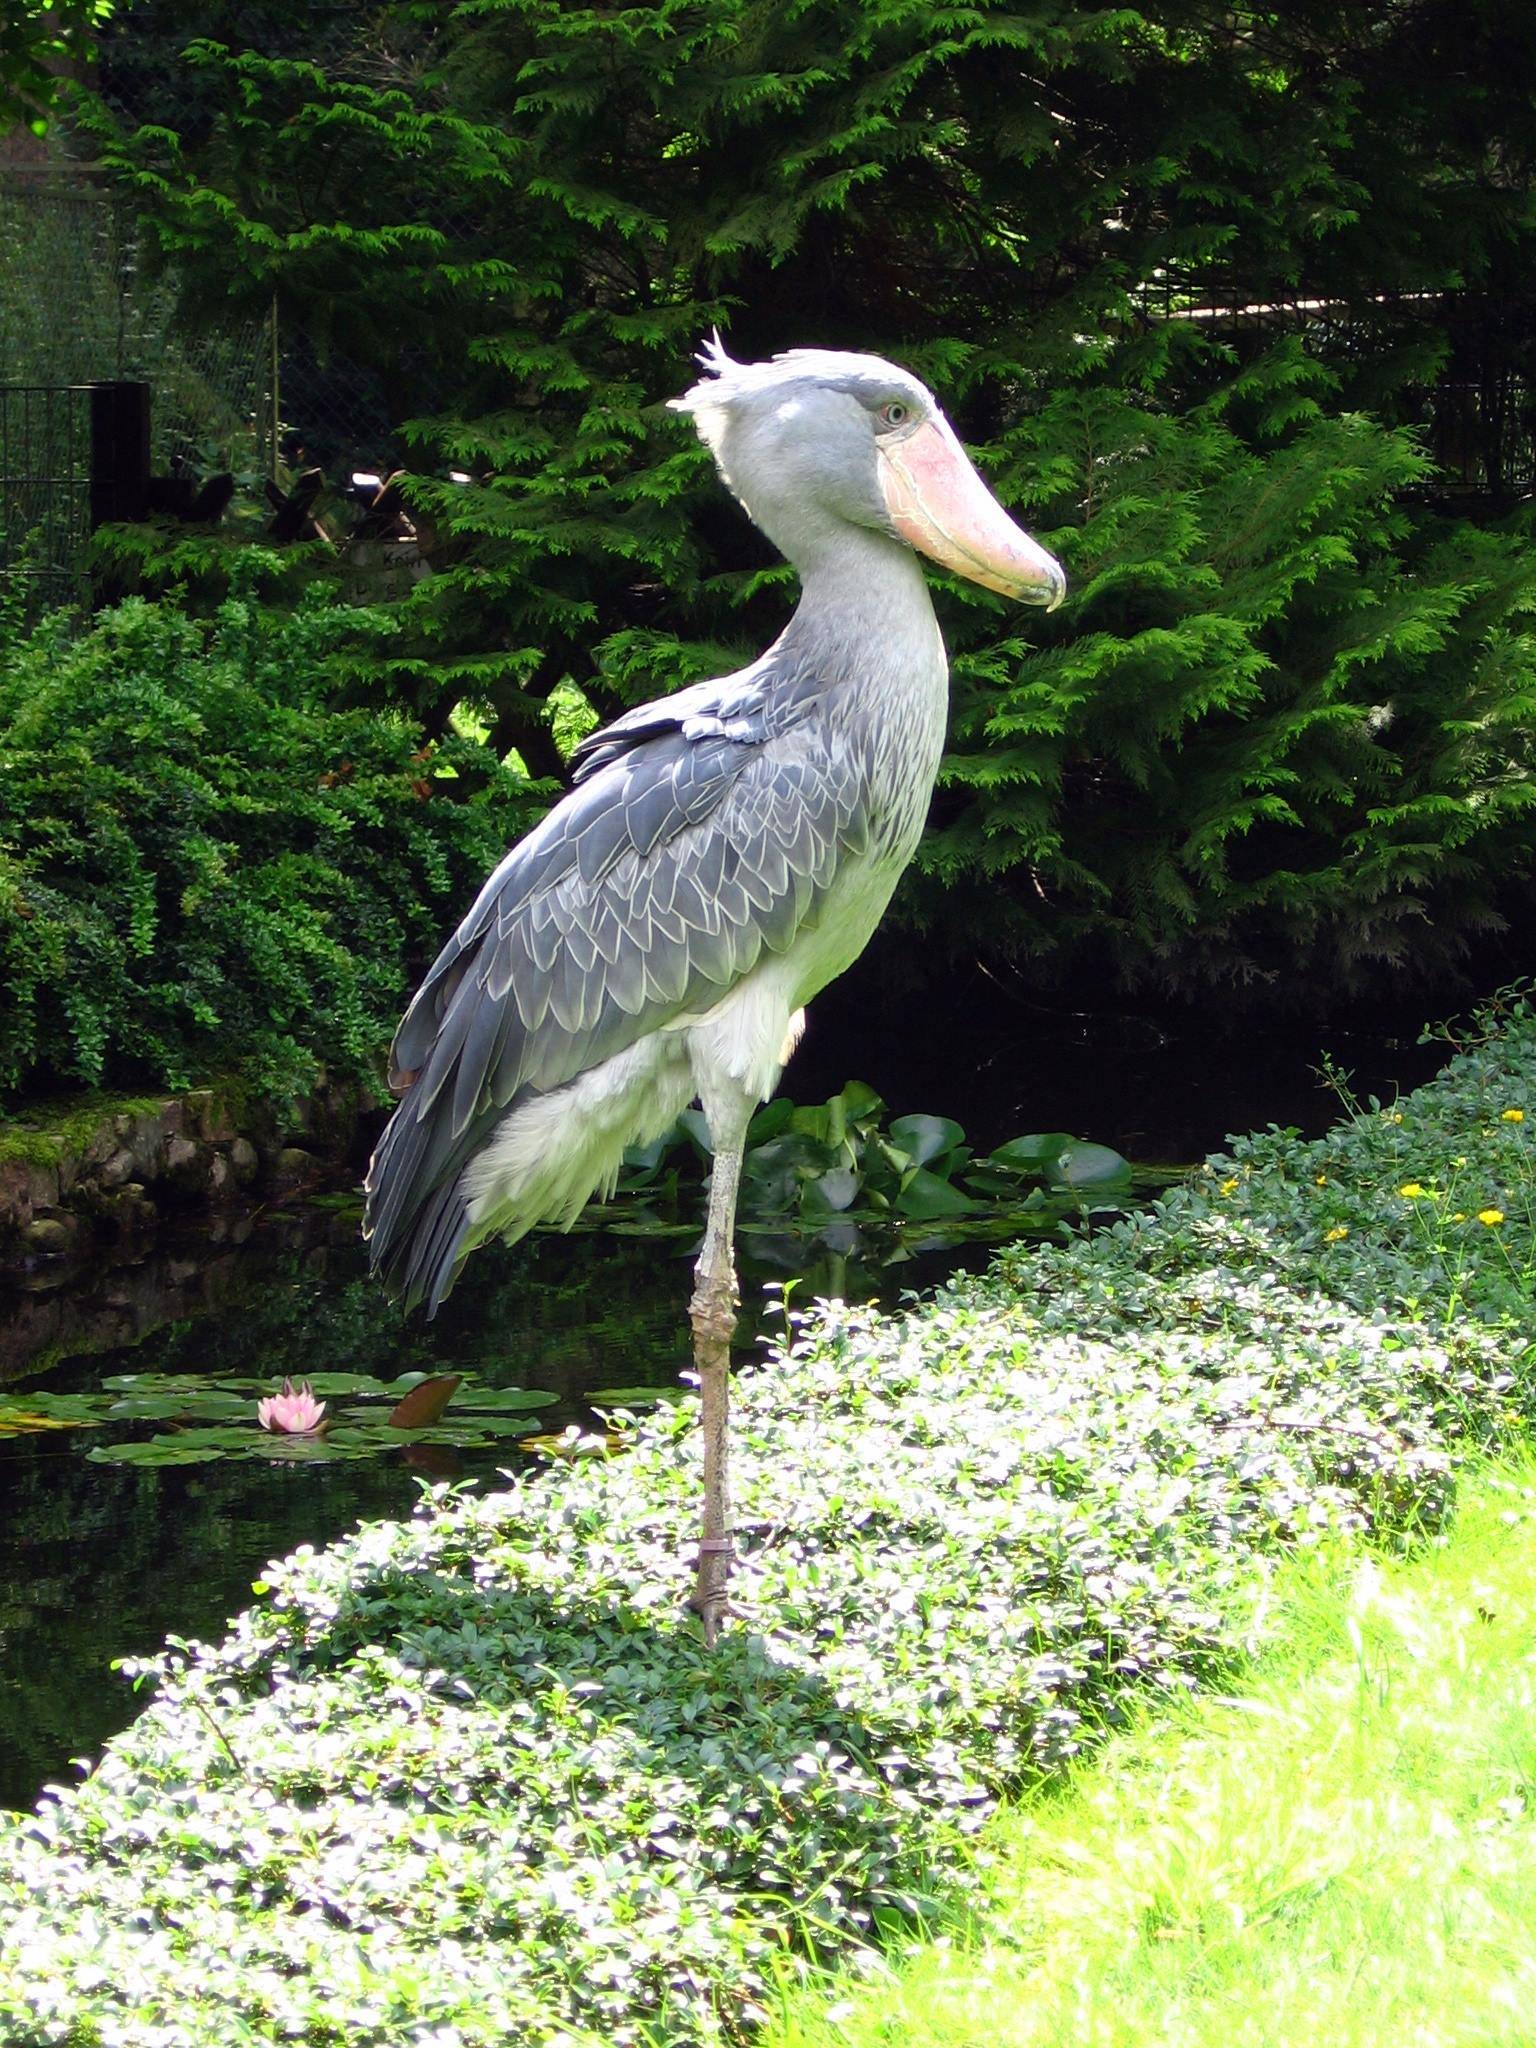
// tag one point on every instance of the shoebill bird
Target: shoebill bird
(724, 853)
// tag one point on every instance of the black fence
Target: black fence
(45, 491)
(72, 457)
(1476, 417)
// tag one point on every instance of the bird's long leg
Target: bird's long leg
(713, 1314)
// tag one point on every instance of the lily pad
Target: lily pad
(345, 1383)
(300, 1450)
(153, 1382)
(23, 1413)
(635, 1397)
(27, 1422)
(204, 1401)
(159, 1450)
(505, 1400)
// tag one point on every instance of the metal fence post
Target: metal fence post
(119, 452)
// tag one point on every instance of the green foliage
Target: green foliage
(1281, 717)
(476, 1774)
(39, 40)
(1283, 721)
(209, 861)
(840, 1158)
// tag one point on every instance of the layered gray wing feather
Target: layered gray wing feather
(703, 831)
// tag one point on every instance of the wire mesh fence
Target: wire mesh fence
(45, 450)
(79, 304)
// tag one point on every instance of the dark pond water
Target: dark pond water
(102, 1561)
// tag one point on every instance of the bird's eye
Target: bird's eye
(894, 414)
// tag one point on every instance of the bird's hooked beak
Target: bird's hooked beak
(940, 506)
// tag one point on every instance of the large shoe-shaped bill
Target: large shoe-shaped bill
(939, 505)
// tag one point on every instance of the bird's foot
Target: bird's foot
(709, 1599)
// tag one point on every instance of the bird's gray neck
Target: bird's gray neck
(865, 616)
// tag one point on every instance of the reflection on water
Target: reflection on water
(104, 1561)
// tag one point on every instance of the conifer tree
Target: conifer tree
(1284, 718)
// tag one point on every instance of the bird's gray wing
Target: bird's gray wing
(703, 831)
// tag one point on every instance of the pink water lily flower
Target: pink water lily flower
(293, 1412)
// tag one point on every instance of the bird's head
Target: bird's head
(816, 441)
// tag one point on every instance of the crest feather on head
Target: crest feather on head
(724, 380)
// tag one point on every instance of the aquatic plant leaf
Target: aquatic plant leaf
(926, 1196)
(344, 1383)
(482, 1427)
(636, 1397)
(505, 1399)
(815, 1120)
(218, 1436)
(424, 1404)
(925, 1138)
(42, 1410)
(992, 1183)
(159, 1450)
(1036, 1153)
(830, 1193)
(695, 1125)
(41, 1402)
(157, 1382)
(269, 1383)
(1091, 1166)
(204, 1401)
(860, 1101)
(26, 1421)
(303, 1448)
(771, 1121)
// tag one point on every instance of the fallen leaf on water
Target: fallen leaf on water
(19, 1421)
(425, 1402)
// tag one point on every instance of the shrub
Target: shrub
(208, 861)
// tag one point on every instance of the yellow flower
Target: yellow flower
(1411, 1189)
(1322, 1180)
(1332, 1236)
(1394, 1116)
(1460, 1216)
(1492, 1217)
(1512, 1116)
(1229, 1187)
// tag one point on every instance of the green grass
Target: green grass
(1344, 1851)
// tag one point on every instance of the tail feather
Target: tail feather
(421, 1264)
(415, 1230)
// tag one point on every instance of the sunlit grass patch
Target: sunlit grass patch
(1343, 1850)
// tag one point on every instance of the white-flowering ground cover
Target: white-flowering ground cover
(473, 1779)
